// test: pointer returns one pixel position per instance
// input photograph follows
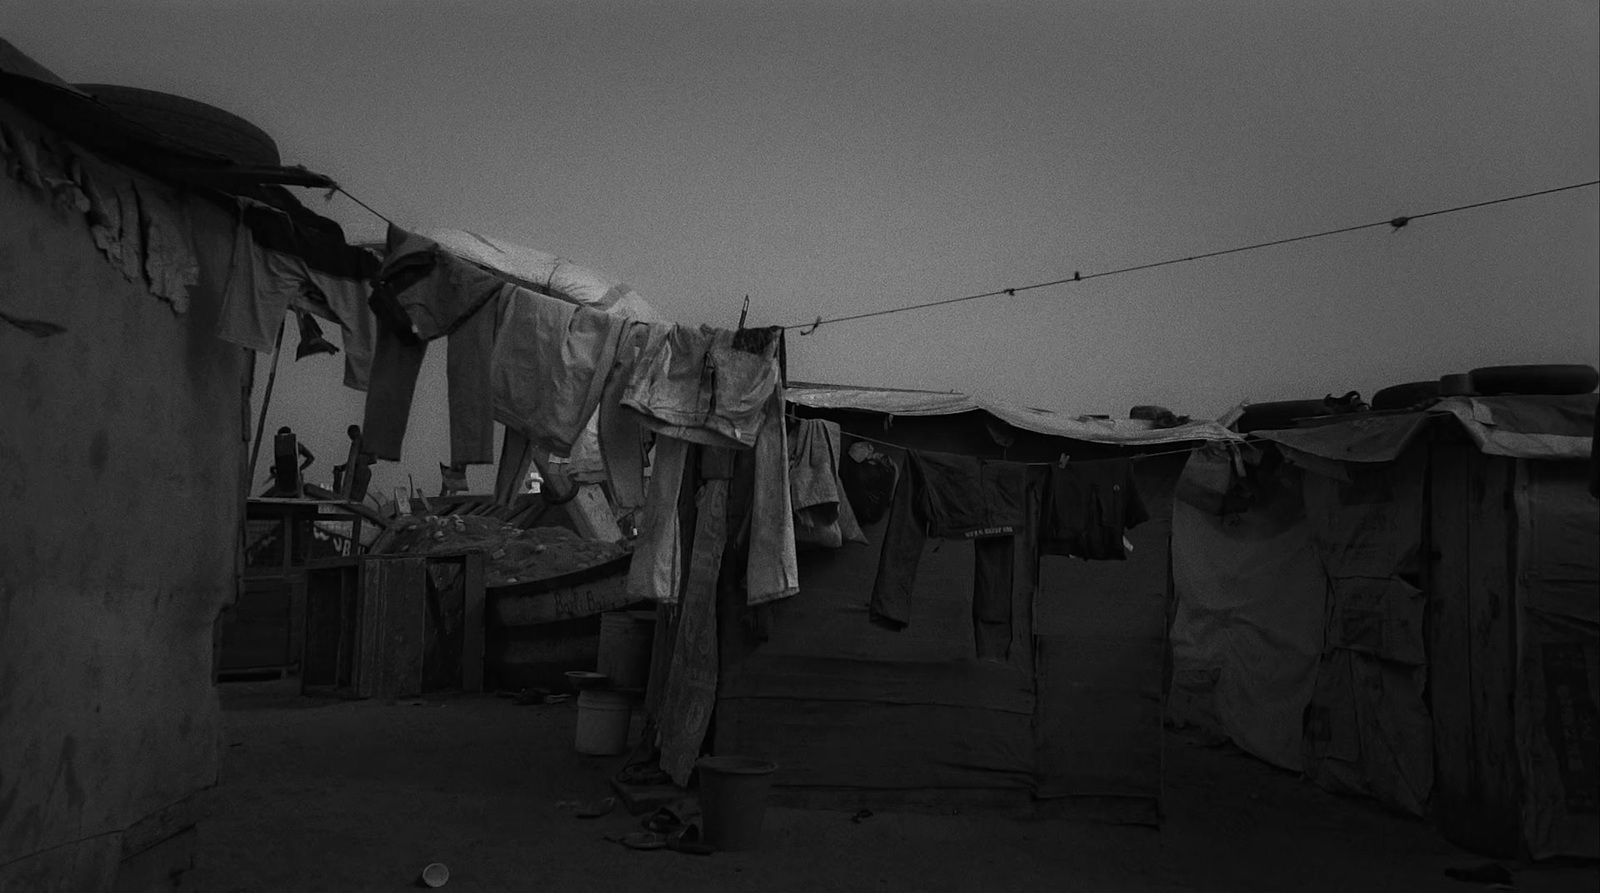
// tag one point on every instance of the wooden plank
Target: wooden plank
(566, 603)
(392, 612)
(592, 514)
(472, 623)
(1491, 636)
(1449, 649)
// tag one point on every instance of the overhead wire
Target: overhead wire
(806, 328)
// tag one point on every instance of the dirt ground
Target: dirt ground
(321, 795)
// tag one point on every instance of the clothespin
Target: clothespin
(744, 311)
(1062, 462)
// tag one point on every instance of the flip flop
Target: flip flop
(640, 840)
(594, 809)
(643, 774)
(688, 841)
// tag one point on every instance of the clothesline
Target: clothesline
(1396, 223)
(807, 328)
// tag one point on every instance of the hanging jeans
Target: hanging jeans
(954, 497)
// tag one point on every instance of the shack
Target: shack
(125, 443)
(1065, 714)
(1406, 605)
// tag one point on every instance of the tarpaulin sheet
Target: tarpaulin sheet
(1247, 633)
(1370, 438)
(1558, 672)
(1130, 432)
(547, 272)
(1368, 729)
(1529, 427)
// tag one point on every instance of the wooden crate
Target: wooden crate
(381, 626)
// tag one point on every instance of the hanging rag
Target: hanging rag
(311, 340)
(822, 513)
(170, 266)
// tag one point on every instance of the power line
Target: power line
(1394, 222)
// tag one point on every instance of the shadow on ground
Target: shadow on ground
(328, 795)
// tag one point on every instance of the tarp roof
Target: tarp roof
(81, 116)
(1525, 427)
(888, 401)
(546, 272)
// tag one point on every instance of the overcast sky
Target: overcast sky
(830, 158)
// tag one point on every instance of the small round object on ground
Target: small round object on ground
(436, 874)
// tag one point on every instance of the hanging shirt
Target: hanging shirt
(1088, 506)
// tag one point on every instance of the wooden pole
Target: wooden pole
(266, 400)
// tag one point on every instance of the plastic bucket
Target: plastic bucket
(625, 640)
(603, 718)
(733, 797)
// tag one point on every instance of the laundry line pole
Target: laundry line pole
(266, 400)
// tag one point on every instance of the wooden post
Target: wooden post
(472, 622)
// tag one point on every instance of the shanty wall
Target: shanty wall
(120, 447)
(858, 715)
(1514, 648)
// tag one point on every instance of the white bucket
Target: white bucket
(603, 718)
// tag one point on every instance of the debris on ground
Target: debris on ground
(514, 554)
(594, 809)
(1488, 873)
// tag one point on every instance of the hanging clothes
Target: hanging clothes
(277, 264)
(772, 571)
(823, 515)
(657, 564)
(690, 693)
(623, 438)
(1088, 506)
(549, 365)
(697, 384)
(422, 293)
(868, 476)
(954, 497)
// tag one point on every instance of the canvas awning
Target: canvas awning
(892, 402)
(1521, 427)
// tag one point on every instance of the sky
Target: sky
(829, 158)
